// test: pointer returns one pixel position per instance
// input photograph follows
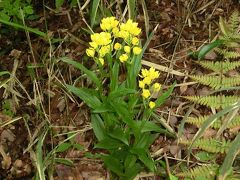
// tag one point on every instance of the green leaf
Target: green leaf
(4, 16)
(223, 27)
(98, 127)
(229, 159)
(146, 17)
(148, 126)
(63, 147)
(146, 159)
(130, 160)
(32, 30)
(58, 3)
(120, 92)
(103, 108)
(113, 164)
(132, 171)
(79, 147)
(114, 77)
(67, 162)
(93, 13)
(109, 143)
(210, 121)
(172, 177)
(119, 134)
(28, 10)
(207, 48)
(131, 9)
(145, 141)
(39, 157)
(205, 156)
(4, 72)
(91, 100)
(164, 96)
(89, 73)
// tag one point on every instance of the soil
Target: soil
(182, 26)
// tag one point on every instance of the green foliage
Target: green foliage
(10, 10)
(219, 101)
(209, 145)
(219, 66)
(7, 108)
(219, 79)
(206, 172)
(120, 115)
(198, 121)
(217, 82)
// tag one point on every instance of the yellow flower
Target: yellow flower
(123, 58)
(144, 73)
(147, 80)
(135, 41)
(117, 46)
(123, 34)
(130, 27)
(153, 73)
(104, 50)
(156, 87)
(146, 93)
(109, 23)
(101, 60)
(101, 39)
(93, 45)
(90, 52)
(127, 49)
(137, 50)
(141, 84)
(115, 32)
(152, 104)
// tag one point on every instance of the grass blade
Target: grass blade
(93, 13)
(211, 120)
(39, 157)
(89, 73)
(131, 8)
(228, 161)
(32, 30)
(146, 17)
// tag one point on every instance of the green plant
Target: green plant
(59, 3)
(10, 10)
(226, 106)
(121, 109)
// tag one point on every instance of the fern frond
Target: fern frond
(217, 82)
(228, 54)
(209, 172)
(200, 120)
(217, 102)
(219, 66)
(234, 21)
(209, 145)
(216, 125)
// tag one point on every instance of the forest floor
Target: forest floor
(26, 105)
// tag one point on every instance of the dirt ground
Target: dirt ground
(183, 26)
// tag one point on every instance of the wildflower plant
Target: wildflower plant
(121, 109)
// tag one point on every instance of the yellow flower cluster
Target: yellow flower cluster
(129, 28)
(148, 76)
(103, 42)
(109, 23)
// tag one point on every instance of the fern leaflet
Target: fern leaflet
(220, 66)
(216, 125)
(208, 172)
(217, 102)
(209, 145)
(217, 82)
